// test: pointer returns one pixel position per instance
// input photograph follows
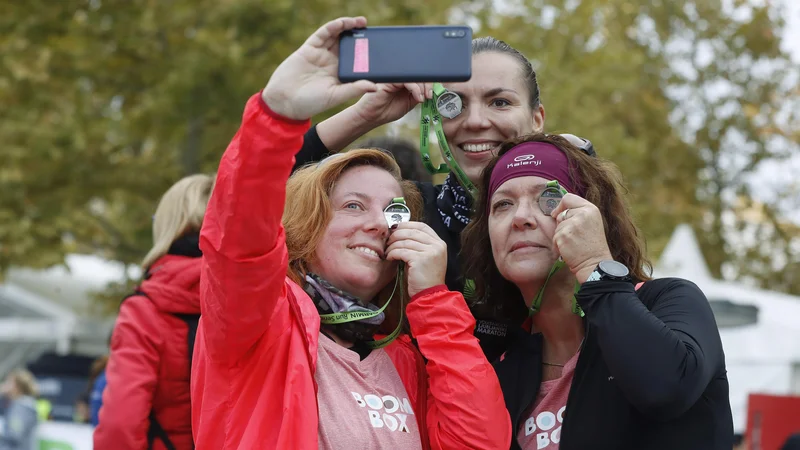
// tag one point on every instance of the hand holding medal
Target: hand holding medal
(416, 246)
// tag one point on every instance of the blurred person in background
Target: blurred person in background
(146, 402)
(44, 409)
(500, 101)
(604, 362)
(793, 441)
(97, 384)
(739, 441)
(80, 410)
(405, 153)
(21, 418)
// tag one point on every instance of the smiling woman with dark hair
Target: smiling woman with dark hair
(610, 359)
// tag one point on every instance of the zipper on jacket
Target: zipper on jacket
(570, 396)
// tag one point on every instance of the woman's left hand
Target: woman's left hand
(580, 236)
(306, 82)
(424, 253)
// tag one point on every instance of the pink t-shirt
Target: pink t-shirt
(362, 404)
(542, 429)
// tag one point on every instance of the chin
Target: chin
(473, 170)
(525, 273)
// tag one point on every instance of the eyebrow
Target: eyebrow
(538, 187)
(491, 92)
(360, 195)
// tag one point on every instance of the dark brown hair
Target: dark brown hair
(405, 153)
(489, 44)
(604, 188)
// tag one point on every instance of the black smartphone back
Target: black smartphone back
(405, 54)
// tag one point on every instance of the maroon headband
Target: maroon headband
(533, 159)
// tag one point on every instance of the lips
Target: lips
(525, 244)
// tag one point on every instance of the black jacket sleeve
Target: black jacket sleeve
(663, 355)
(313, 149)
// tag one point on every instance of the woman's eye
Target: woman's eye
(353, 206)
(500, 204)
(500, 102)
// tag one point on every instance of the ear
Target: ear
(538, 119)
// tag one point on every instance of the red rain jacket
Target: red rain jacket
(256, 350)
(148, 368)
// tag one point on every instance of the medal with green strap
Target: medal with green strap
(548, 201)
(443, 104)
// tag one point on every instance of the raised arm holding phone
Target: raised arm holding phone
(306, 281)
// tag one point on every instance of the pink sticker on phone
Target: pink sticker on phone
(361, 56)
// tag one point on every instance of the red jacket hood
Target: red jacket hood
(174, 284)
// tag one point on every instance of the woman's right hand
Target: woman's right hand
(391, 102)
(306, 83)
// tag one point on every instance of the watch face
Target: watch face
(614, 269)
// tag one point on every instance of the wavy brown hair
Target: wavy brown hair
(603, 187)
(308, 211)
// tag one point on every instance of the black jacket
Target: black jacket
(651, 373)
(493, 334)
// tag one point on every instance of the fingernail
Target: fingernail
(393, 226)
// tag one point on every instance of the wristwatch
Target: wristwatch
(610, 270)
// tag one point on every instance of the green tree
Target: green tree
(672, 93)
(741, 110)
(106, 103)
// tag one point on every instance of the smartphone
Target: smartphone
(406, 54)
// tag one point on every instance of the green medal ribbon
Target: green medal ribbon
(431, 115)
(537, 302)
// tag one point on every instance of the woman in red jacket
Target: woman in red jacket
(266, 374)
(147, 389)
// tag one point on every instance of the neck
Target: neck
(563, 330)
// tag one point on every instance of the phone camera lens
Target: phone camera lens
(461, 33)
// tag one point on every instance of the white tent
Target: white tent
(760, 329)
(43, 310)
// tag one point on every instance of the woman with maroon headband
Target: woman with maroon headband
(609, 358)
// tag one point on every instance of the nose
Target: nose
(476, 118)
(375, 222)
(525, 216)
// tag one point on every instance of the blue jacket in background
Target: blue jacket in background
(96, 398)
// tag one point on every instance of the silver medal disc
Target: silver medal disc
(449, 105)
(396, 213)
(549, 200)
